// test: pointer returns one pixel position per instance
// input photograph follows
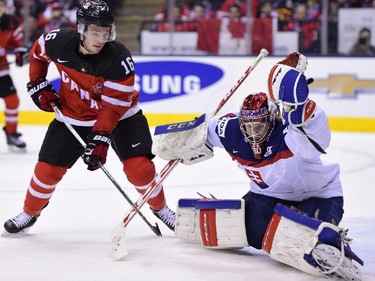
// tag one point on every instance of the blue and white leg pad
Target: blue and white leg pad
(310, 245)
(218, 224)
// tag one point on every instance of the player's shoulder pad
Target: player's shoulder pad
(118, 60)
(58, 42)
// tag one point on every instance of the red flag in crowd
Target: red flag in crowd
(227, 36)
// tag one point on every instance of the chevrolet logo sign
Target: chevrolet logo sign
(343, 84)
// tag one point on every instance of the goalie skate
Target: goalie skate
(333, 262)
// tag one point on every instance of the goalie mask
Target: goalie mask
(96, 13)
(257, 118)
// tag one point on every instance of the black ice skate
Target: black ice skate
(14, 140)
(19, 224)
(167, 216)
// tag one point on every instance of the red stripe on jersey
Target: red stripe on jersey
(280, 155)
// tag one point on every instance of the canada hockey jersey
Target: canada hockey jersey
(11, 37)
(290, 168)
(92, 87)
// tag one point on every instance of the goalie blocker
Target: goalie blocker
(310, 245)
(185, 140)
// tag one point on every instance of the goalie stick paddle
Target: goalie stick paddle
(118, 234)
(155, 228)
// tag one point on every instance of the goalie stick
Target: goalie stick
(119, 249)
(155, 228)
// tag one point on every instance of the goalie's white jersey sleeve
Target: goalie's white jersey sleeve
(291, 167)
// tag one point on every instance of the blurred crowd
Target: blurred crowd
(186, 10)
(40, 16)
(303, 16)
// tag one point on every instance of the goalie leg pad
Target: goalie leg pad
(218, 224)
(304, 243)
(187, 227)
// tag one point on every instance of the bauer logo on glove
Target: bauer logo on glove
(43, 94)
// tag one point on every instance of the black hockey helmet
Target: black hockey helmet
(95, 13)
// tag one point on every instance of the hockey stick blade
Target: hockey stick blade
(119, 248)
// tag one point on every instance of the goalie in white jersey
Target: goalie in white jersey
(283, 166)
(295, 202)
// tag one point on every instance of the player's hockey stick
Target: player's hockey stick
(155, 228)
(118, 234)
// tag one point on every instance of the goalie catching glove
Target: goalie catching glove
(186, 141)
(43, 94)
(288, 87)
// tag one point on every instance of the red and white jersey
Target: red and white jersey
(290, 168)
(11, 37)
(95, 90)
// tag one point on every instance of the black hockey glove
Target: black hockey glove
(96, 149)
(42, 93)
(22, 56)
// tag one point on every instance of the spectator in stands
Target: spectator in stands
(212, 7)
(70, 8)
(223, 12)
(180, 16)
(363, 45)
(198, 11)
(10, 8)
(234, 12)
(284, 9)
(314, 9)
(180, 12)
(308, 30)
(265, 10)
(58, 19)
(32, 30)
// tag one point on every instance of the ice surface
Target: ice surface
(71, 240)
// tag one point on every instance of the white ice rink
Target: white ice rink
(71, 240)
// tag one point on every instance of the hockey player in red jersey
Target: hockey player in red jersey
(295, 202)
(98, 98)
(11, 39)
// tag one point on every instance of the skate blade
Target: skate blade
(327, 257)
(15, 235)
(15, 149)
